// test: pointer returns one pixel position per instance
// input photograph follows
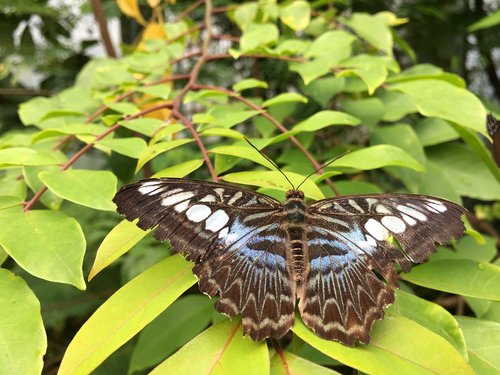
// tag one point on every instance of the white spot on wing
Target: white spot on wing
(148, 187)
(437, 206)
(394, 223)
(376, 229)
(382, 210)
(181, 207)
(216, 221)
(208, 199)
(409, 220)
(412, 212)
(235, 197)
(223, 233)
(198, 212)
(176, 198)
(353, 203)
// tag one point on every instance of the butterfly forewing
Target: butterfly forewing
(234, 237)
(348, 239)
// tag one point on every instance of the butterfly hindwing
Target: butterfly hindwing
(233, 236)
(349, 238)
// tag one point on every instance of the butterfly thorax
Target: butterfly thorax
(295, 210)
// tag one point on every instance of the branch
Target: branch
(100, 17)
(198, 140)
(276, 123)
(189, 9)
(88, 146)
(192, 81)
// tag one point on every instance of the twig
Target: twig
(281, 355)
(100, 17)
(276, 123)
(192, 81)
(190, 127)
(187, 32)
(88, 146)
(189, 9)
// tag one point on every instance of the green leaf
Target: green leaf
(94, 189)
(131, 147)
(275, 180)
(159, 148)
(187, 317)
(396, 104)
(123, 108)
(398, 346)
(373, 75)
(336, 45)
(291, 47)
(181, 169)
(369, 110)
(148, 126)
(311, 70)
(125, 313)
(27, 156)
(224, 132)
(477, 145)
(433, 131)
(285, 98)
(455, 104)
(465, 171)
(434, 181)
(75, 129)
(296, 15)
(432, 316)
(287, 363)
(245, 14)
(225, 117)
(356, 187)
(468, 248)
(221, 349)
(245, 152)
(161, 91)
(485, 22)
(402, 136)
(24, 342)
(249, 84)
(323, 90)
(460, 276)
(118, 241)
(31, 173)
(257, 35)
(482, 342)
(377, 157)
(47, 244)
(323, 119)
(373, 29)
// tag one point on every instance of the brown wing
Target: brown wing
(348, 239)
(235, 238)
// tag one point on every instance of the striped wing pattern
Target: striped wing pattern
(233, 235)
(335, 255)
(348, 240)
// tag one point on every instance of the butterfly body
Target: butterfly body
(260, 255)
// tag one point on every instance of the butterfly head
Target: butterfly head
(294, 194)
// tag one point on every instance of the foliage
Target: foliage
(304, 82)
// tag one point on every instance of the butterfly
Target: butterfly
(335, 256)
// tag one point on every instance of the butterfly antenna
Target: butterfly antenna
(324, 166)
(270, 161)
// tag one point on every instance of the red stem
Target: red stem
(198, 140)
(88, 146)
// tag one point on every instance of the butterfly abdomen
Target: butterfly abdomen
(296, 249)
